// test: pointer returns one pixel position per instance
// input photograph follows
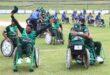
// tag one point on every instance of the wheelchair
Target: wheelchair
(50, 39)
(7, 48)
(77, 51)
(100, 23)
(34, 59)
(66, 20)
(91, 22)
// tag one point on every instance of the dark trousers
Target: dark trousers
(14, 41)
(94, 44)
(66, 20)
(24, 47)
(98, 46)
(57, 34)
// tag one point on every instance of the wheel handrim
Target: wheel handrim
(7, 48)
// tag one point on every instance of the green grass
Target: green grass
(52, 57)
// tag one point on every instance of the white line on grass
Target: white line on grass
(6, 23)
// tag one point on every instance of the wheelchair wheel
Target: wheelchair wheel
(68, 59)
(7, 48)
(86, 59)
(36, 56)
(48, 38)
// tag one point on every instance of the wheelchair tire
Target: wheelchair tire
(7, 48)
(48, 38)
(68, 59)
(36, 56)
(15, 70)
(86, 59)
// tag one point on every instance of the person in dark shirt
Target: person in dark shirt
(10, 33)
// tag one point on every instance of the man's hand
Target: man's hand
(12, 14)
(74, 34)
(90, 36)
(15, 10)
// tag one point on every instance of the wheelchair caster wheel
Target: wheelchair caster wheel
(101, 62)
(31, 70)
(15, 70)
(63, 43)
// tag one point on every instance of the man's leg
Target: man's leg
(14, 40)
(55, 33)
(67, 19)
(97, 48)
(29, 48)
(60, 35)
(19, 50)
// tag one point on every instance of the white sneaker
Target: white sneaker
(20, 60)
(27, 59)
(58, 41)
(99, 59)
(61, 40)
(79, 61)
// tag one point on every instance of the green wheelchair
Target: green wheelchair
(51, 39)
(34, 56)
(81, 53)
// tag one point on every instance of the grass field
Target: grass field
(52, 57)
(58, 5)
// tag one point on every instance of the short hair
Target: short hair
(30, 25)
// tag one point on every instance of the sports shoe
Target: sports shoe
(20, 60)
(58, 41)
(27, 59)
(79, 61)
(99, 59)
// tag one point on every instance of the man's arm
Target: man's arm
(85, 35)
(5, 34)
(43, 29)
(16, 22)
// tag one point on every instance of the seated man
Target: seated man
(88, 38)
(74, 16)
(99, 20)
(64, 17)
(90, 19)
(27, 39)
(81, 16)
(56, 30)
(11, 33)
